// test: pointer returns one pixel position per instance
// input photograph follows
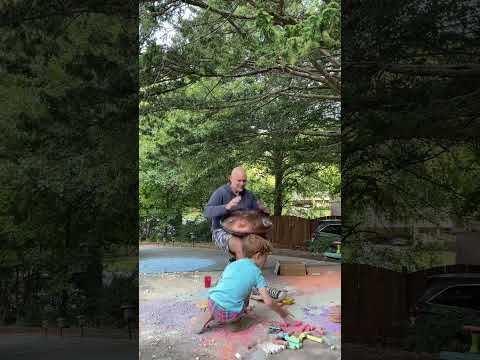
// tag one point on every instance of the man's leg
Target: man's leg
(221, 238)
(231, 245)
(235, 246)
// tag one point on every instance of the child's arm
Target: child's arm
(284, 314)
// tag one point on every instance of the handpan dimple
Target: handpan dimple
(245, 222)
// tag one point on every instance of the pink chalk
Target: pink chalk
(308, 327)
(298, 323)
(319, 332)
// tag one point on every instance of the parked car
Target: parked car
(450, 302)
(459, 292)
(333, 226)
(327, 239)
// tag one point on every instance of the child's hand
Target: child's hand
(289, 318)
(286, 315)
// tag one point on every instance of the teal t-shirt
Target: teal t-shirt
(236, 283)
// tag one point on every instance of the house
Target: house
(319, 201)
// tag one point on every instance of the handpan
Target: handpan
(245, 222)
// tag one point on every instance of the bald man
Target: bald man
(229, 197)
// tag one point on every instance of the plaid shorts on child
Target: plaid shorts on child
(223, 315)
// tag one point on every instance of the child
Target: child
(228, 300)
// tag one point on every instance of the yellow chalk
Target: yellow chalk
(288, 301)
(202, 305)
(314, 338)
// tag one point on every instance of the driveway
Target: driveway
(169, 302)
(21, 346)
(155, 259)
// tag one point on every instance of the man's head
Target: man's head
(257, 248)
(238, 180)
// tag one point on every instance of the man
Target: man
(227, 198)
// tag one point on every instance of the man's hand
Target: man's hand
(262, 207)
(234, 202)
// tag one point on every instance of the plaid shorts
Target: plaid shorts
(220, 314)
(221, 238)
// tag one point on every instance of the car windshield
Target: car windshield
(329, 228)
(464, 296)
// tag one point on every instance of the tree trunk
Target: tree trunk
(94, 269)
(68, 228)
(279, 173)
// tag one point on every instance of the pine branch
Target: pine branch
(223, 13)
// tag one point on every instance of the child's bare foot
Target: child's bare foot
(235, 326)
(201, 322)
(240, 324)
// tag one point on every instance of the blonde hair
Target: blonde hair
(253, 244)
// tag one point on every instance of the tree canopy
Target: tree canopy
(68, 100)
(410, 113)
(227, 83)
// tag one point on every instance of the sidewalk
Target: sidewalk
(209, 245)
(17, 346)
(66, 332)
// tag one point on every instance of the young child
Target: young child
(228, 300)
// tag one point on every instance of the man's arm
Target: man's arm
(253, 202)
(257, 204)
(215, 207)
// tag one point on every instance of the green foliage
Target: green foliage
(322, 241)
(260, 104)
(121, 291)
(65, 105)
(433, 333)
(410, 153)
(421, 131)
(419, 256)
(195, 231)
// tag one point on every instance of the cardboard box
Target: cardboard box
(291, 268)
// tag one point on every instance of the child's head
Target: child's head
(257, 248)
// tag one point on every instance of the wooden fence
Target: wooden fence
(292, 232)
(376, 302)
(373, 302)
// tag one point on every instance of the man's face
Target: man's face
(238, 181)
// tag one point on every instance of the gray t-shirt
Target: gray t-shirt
(216, 210)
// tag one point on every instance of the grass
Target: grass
(448, 258)
(120, 263)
